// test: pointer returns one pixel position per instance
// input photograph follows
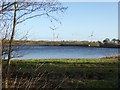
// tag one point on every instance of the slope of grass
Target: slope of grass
(63, 73)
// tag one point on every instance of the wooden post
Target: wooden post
(0, 65)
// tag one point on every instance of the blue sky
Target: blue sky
(79, 21)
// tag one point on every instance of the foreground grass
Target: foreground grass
(63, 73)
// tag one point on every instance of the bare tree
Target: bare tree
(18, 12)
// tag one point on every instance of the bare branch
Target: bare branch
(29, 18)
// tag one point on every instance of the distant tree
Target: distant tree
(100, 43)
(118, 41)
(115, 40)
(107, 40)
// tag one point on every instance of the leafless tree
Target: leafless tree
(14, 13)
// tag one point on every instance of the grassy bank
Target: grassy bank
(63, 73)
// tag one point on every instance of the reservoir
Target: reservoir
(46, 52)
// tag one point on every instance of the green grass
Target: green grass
(66, 73)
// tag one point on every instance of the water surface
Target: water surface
(45, 52)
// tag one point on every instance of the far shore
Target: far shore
(67, 43)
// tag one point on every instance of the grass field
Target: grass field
(63, 73)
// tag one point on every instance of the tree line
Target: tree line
(114, 40)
